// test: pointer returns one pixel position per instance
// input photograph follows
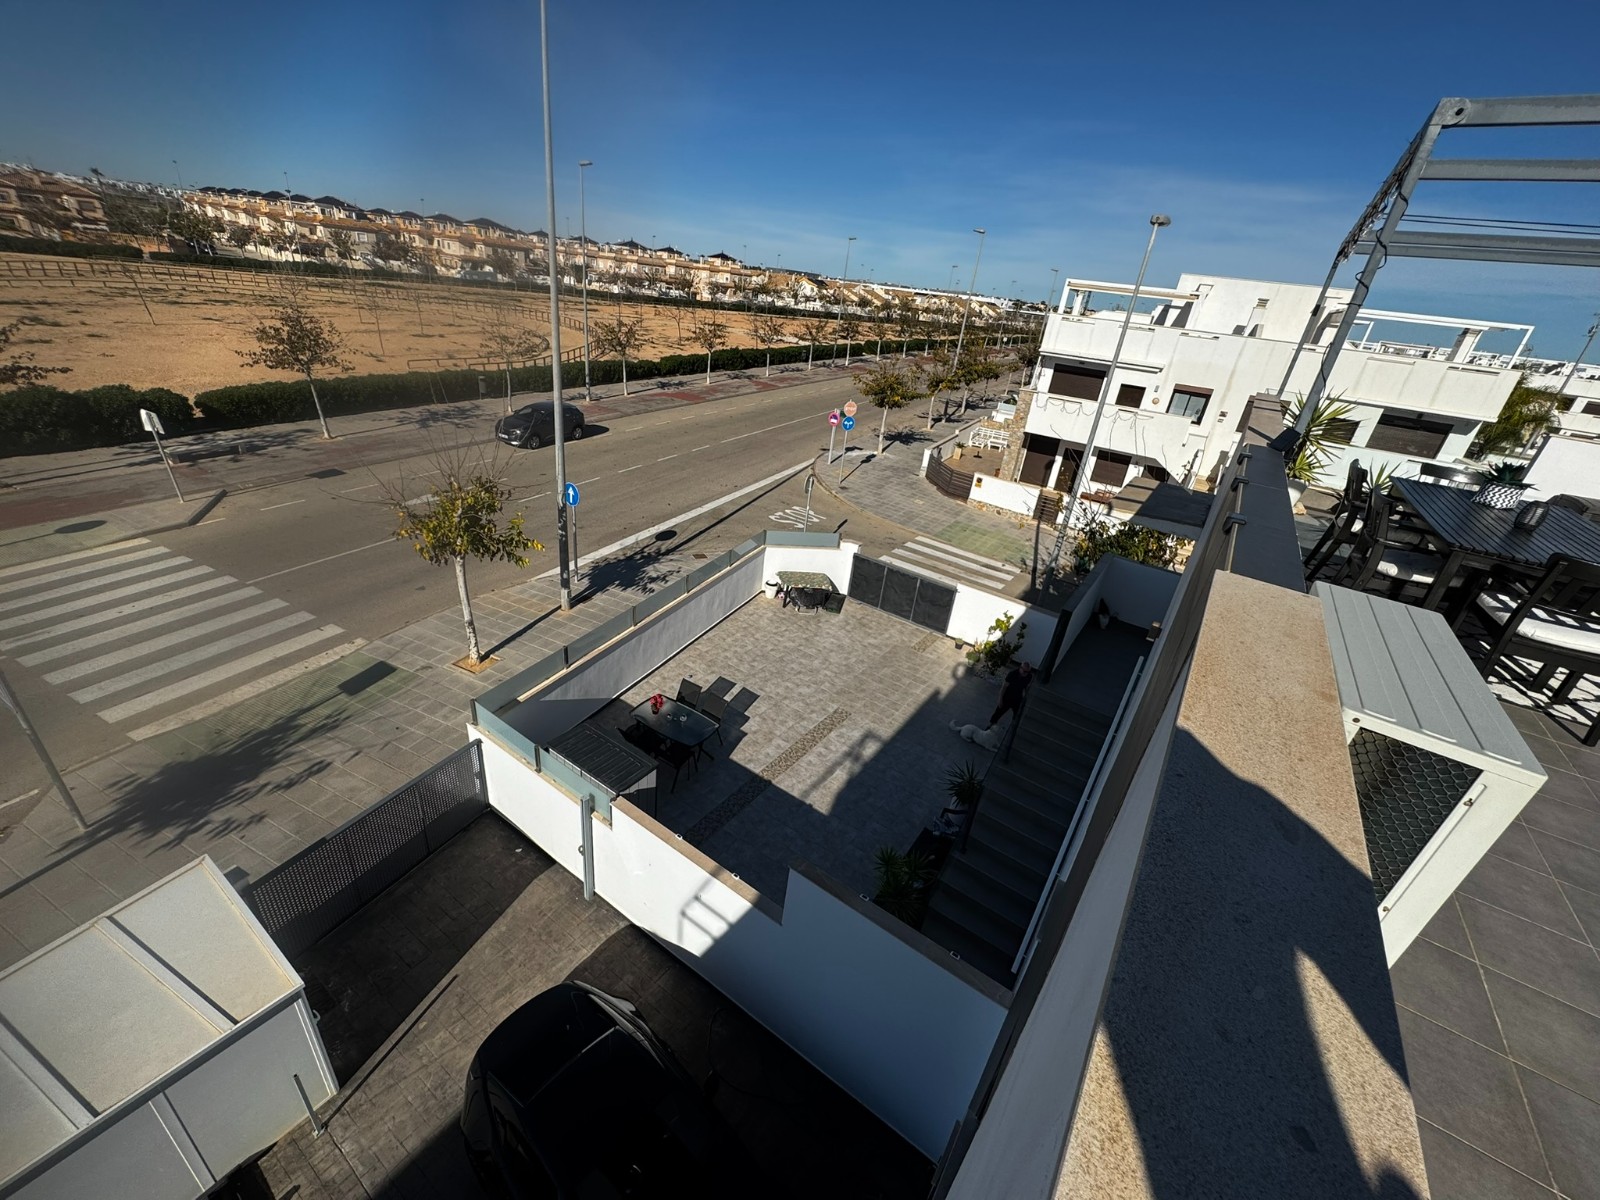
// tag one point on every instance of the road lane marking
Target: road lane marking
(121, 683)
(85, 585)
(143, 648)
(244, 691)
(131, 627)
(362, 488)
(37, 564)
(205, 679)
(664, 457)
(80, 604)
(316, 561)
(285, 504)
(81, 568)
(625, 470)
(697, 449)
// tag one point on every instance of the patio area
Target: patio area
(838, 744)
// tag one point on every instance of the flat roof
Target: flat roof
(98, 1016)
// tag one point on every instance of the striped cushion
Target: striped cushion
(1550, 626)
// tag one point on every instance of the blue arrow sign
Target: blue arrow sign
(847, 424)
(570, 495)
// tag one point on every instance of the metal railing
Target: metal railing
(304, 899)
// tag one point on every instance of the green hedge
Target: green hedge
(40, 420)
(23, 245)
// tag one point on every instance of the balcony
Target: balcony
(1161, 437)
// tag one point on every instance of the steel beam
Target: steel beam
(1523, 110)
(1514, 170)
(1486, 247)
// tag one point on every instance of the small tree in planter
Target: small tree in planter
(903, 883)
(999, 651)
(1314, 452)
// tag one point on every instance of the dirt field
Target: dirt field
(182, 328)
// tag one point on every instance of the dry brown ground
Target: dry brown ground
(189, 337)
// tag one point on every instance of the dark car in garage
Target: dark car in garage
(533, 425)
(573, 1096)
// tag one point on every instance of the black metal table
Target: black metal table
(676, 722)
(1477, 536)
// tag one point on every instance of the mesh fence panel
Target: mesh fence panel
(305, 898)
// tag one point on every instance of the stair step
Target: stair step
(1019, 843)
(973, 950)
(982, 925)
(1042, 818)
(1045, 788)
(1005, 912)
(1066, 743)
(1070, 710)
(1018, 881)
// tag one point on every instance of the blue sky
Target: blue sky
(761, 130)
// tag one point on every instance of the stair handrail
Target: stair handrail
(1024, 950)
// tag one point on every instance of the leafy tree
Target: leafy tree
(817, 327)
(196, 227)
(1100, 536)
(653, 278)
(241, 235)
(889, 385)
(1527, 413)
(848, 328)
(462, 519)
(17, 368)
(343, 244)
(941, 377)
(687, 286)
(502, 264)
(294, 339)
(130, 213)
(621, 337)
(907, 321)
(768, 328)
(710, 335)
(391, 249)
(506, 343)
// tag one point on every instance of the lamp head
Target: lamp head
(980, 232)
(1160, 220)
(584, 162)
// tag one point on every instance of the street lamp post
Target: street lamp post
(583, 250)
(1050, 297)
(842, 286)
(966, 310)
(557, 414)
(1573, 369)
(1158, 222)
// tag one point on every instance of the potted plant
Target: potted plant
(1502, 485)
(1314, 452)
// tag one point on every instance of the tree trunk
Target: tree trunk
(708, 366)
(769, 360)
(508, 390)
(624, 374)
(317, 404)
(881, 426)
(811, 350)
(474, 655)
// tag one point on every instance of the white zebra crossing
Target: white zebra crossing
(118, 648)
(952, 565)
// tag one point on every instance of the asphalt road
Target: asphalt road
(324, 547)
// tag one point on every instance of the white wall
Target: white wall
(1565, 465)
(1136, 593)
(889, 1018)
(835, 564)
(1001, 493)
(975, 610)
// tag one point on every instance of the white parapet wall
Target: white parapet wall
(885, 1013)
(1565, 466)
(1020, 498)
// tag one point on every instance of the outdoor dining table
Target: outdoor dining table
(676, 722)
(1474, 535)
(805, 579)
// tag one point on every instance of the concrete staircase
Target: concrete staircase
(986, 894)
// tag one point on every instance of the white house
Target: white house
(1188, 367)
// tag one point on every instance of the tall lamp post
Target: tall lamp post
(583, 249)
(558, 414)
(966, 310)
(1158, 222)
(842, 286)
(1573, 369)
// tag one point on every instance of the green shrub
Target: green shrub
(25, 245)
(42, 420)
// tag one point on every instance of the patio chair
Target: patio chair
(1554, 620)
(1343, 522)
(715, 707)
(644, 737)
(1380, 554)
(689, 693)
(677, 756)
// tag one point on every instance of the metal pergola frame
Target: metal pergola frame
(1377, 233)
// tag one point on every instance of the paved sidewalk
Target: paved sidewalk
(259, 781)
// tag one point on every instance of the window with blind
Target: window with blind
(1189, 402)
(1409, 435)
(1081, 383)
(1110, 468)
(1130, 395)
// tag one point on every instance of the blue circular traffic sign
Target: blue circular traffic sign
(570, 495)
(847, 424)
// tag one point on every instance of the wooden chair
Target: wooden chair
(1554, 620)
(1343, 523)
(1381, 554)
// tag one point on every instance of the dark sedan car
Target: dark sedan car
(573, 1096)
(533, 425)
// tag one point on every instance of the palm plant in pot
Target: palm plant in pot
(1313, 453)
(1502, 485)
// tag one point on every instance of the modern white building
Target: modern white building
(1189, 366)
